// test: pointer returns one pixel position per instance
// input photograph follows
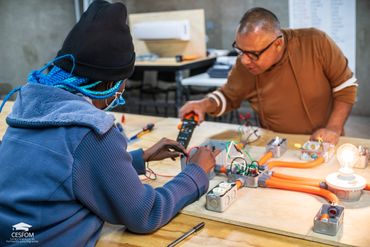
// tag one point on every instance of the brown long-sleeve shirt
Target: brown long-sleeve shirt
(296, 95)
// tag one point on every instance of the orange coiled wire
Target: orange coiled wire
(310, 164)
(331, 197)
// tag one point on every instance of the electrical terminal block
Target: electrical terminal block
(311, 150)
(329, 219)
(277, 146)
(221, 197)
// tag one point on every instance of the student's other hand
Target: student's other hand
(163, 149)
(326, 135)
(196, 106)
(205, 158)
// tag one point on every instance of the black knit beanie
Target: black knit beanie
(101, 44)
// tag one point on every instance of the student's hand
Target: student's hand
(205, 158)
(196, 106)
(163, 149)
(326, 135)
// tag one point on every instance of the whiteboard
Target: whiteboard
(335, 17)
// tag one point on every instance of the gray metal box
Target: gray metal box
(277, 146)
(219, 203)
(328, 225)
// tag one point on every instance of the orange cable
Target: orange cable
(298, 182)
(310, 164)
(331, 197)
(264, 158)
(290, 177)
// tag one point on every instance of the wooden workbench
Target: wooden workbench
(214, 233)
(222, 234)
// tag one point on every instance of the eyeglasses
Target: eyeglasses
(254, 55)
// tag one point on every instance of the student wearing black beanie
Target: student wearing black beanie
(65, 168)
(101, 43)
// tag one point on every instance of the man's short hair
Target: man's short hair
(259, 18)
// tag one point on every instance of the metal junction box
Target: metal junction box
(221, 197)
(329, 219)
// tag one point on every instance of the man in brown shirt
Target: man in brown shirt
(298, 81)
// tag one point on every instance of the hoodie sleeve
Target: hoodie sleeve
(106, 182)
(138, 161)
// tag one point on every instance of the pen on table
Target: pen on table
(187, 234)
(149, 127)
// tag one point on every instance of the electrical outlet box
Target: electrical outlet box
(221, 197)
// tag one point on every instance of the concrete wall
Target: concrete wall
(222, 16)
(32, 31)
(362, 106)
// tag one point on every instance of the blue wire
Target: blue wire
(59, 78)
(8, 96)
(89, 93)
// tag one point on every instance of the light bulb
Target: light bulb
(345, 183)
(347, 155)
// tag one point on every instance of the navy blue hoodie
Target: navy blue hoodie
(64, 170)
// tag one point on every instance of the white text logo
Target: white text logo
(21, 233)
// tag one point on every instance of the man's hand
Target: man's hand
(163, 149)
(335, 124)
(196, 106)
(205, 158)
(326, 135)
(199, 107)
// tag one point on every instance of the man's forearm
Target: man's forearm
(210, 105)
(338, 116)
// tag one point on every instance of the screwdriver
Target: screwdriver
(149, 127)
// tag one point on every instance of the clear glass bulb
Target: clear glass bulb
(347, 155)
(345, 183)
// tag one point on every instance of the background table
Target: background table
(203, 80)
(170, 65)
